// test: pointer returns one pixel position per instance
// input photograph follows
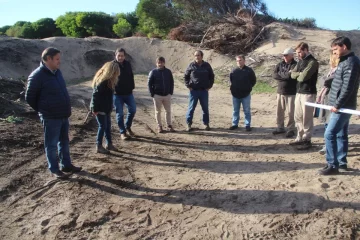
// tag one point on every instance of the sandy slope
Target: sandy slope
(205, 185)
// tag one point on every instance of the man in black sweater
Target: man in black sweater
(123, 95)
(161, 88)
(242, 80)
(286, 92)
(343, 94)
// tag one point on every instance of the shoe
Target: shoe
(343, 167)
(305, 145)
(329, 171)
(278, 131)
(124, 136)
(207, 127)
(131, 133)
(160, 129)
(101, 149)
(111, 147)
(296, 142)
(323, 150)
(170, 128)
(71, 169)
(248, 128)
(290, 134)
(233, 127)
(188, 128)
(60, 175)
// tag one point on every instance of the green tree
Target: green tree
(130, 18)
(157, 17)
(21, 29)
(3, 29)
(44, 28)
(95, 23)
(122, 28)
(67, 24)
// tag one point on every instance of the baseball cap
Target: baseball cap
(288, 51)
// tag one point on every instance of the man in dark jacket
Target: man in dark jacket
(343, 94)
(242, 80)
(286, 92)
(124, 95)
(199, 79)
(161, 88)
(47, 94)
(306, 73)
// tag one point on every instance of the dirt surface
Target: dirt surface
(216, 184)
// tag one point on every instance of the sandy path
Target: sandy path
(219, 184)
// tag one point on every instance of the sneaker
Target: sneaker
(305, 145)
(248, 128)
(131, 133)
(60, 175)
(329, 171)
(101, 149)
(290, 134)
(296, 142)
(343, 167)
(207, 127)
(233, 127)
(188, 128)
(323, 150)
(279, 131)
(124, 136)
(160, 129)
(71, 169)
(111, 147)
(170, 128)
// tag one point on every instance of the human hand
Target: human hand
(333, 109)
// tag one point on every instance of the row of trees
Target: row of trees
(153, 18)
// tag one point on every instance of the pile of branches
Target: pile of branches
(11, 94)
(233, 34)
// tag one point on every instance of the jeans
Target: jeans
(56, 134)
(336, 139)
(194, 97)
(104, 122)
(129, 101)
(246, 108)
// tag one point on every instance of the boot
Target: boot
(111, 147)
(101, 149)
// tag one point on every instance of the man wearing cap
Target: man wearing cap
(286, 92)
(306, 73)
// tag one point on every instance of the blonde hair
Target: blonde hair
(109, 71)
(334, 60)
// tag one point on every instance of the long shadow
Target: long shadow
(228, 167)
(233, 201)
(210, 146)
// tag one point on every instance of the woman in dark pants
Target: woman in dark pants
(102, 103)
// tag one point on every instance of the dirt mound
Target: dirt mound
(81, 58)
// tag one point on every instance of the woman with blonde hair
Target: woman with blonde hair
(102, 103)
(323, 96)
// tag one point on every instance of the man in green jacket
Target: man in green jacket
(306, 73)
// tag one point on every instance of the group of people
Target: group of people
(113, 86)
(297, 86)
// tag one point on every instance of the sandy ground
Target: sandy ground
(216, 184)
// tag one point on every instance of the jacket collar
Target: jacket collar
(44, 67)
(342, 58)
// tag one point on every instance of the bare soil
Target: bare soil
(217, 184)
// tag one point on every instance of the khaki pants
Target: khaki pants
(160, 101)
(285, 103)
(304, 116)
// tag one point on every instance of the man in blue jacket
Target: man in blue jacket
(199, 79)
(343, 94)
(161, 87)
(242, 80)
(47, 94)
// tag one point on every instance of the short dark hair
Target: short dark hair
(199, 51)
(341, 41)
(160, 59)
(302, 46)
(120, 50)
(49, 52)
(241, 56)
